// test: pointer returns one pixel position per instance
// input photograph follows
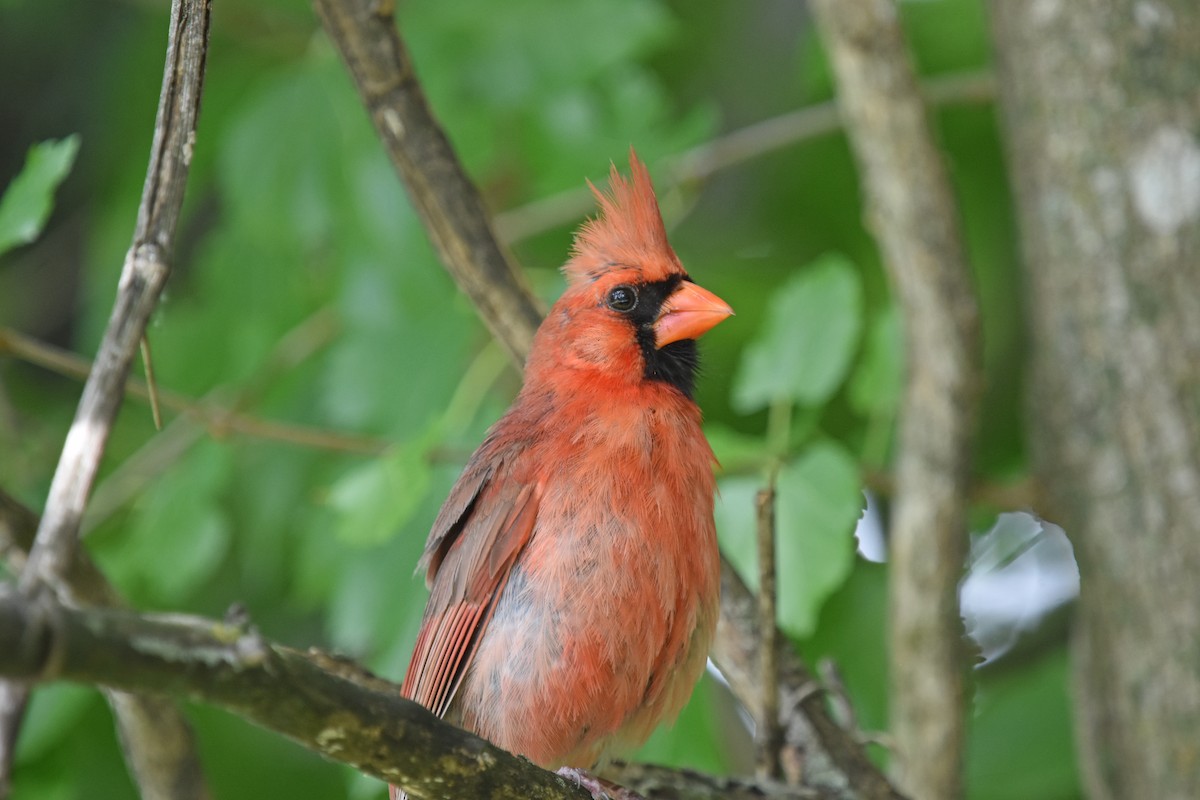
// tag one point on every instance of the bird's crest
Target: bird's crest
(628, 232)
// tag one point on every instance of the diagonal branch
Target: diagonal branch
(157, 740)
(145, 271)
(147, 265)
(730, 149)
(804, 716)
(914, 216)
(218, 419)
(321, 702)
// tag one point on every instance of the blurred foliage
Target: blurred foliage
(305, 291)
(27, 201)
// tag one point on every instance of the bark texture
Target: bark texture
(912, 213)
(155, 737)
(1101, 102)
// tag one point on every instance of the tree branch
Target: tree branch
(814, 745)
(768, 732)
(157, 740)
(145, 271)
(323, 703)
(914, 216)
(658, 783)
(219, 420)
(735, 147)
(17, 525)
(147, 265)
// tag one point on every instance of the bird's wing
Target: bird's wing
(482, 528)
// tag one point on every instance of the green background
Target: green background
(305, 291)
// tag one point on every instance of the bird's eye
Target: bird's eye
(622, 298)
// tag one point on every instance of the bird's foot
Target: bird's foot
(600, 788)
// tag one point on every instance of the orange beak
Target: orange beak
(688, 313)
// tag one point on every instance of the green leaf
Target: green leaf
(54, 711)
(29, 198)
(818, 501)
(178, 533)
(376, 599)
(182, 533)
(1021, 744)
(736, 451)
(879, 377)
(735, 518)
(378, 498)
(698, 739)
(808, 342)
(852, 631)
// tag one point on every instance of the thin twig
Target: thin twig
(220, 411)
(18, 526)
(768, 733)
(145, 271)
(151, 383)
(839, 698)
(916, 221)
(219, 419)
(736, 147)
(815, 748)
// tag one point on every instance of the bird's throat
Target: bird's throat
(674, 364)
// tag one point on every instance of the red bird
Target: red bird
(573, 570)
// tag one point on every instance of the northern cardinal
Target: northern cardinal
(573, 570)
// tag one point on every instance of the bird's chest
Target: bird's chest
(624, 555)
(629, 500)
(608, 612)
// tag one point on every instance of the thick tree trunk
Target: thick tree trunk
(1101, 103)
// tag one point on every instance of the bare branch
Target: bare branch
(768, 734)
(156, 738)
(18, 525)
(159, 746)
(147, 265)
(735, 147)
(323, 703)
(815, 747)
(368, 726)
(659, 783)
(219, 420)
(913, 214)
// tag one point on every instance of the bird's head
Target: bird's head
(630, 311)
